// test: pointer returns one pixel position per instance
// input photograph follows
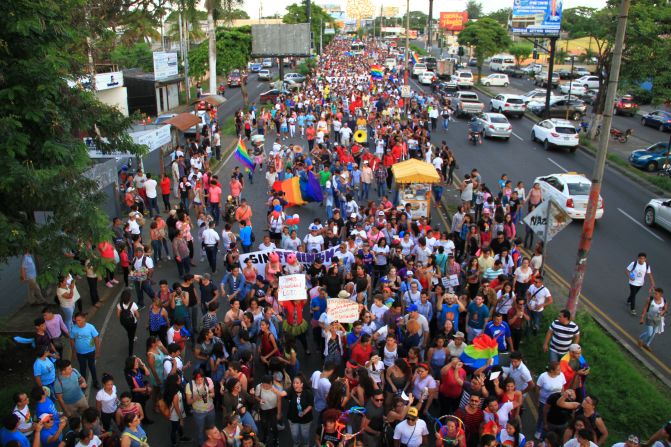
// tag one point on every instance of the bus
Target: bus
(357, 48)
(500, 62)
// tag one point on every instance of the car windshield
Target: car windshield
(578, 189)
(514, 100)
(498, 120)
(566, 130)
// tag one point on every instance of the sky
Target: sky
(279, 6)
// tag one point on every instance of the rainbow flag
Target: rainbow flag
(301, 189)
(376, 71)
(482, 348)
(243, 156)
(414, 58)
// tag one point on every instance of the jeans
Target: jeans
(246, 248)
(142, 287)
(211, 253)
(93, 289)
(68, 312)
(88, 361)
(446, 123)
(175, 429)
(166, 202)
(364, 190)
(381, 188)
(130, 333)
(539, 421)
(153, 205)
(192, 323)
(201, 420)
(269, 424)
(472, 333)
(633, 291)
(300, 433)
(183, 266)
(156, 246)
(554, 356)
(536, 318)
(647, 335)
(184, 201)
(217, 151)
(329, 212)
(215, 210)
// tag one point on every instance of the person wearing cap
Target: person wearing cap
(314, 242)
(48, 431)
(412, 432)
(632, 441)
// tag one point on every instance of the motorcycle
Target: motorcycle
(665, 171)
(474, 137)
(618, 135)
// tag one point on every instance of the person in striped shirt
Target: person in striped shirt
(562, 333)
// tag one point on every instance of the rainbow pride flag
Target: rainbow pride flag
(414, 58)
(482, 348)
(243, 156)
(300, 189)
(376, 71)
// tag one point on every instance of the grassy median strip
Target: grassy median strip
(631, 399)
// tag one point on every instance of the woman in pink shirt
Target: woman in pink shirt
(236, 189)
(184, 227)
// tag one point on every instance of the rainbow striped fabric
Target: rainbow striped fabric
(300, 189)
(376, 71)
(243, 157)
(414, 58)
(482, 348)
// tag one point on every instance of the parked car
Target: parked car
(294, 78)
(508, 104)
(658, 212)
(495, 125)
(426, 77)
(554, 132)
(235, 78)
(541, 79)
(265, 75)
(472, 62)
(536, 95)
(573, 89)
(625, 105)
(574, 108)
(589, 81)
(581, 71)
(532, 69)
(271, 95)
(660, 119)
(571, 191)
(651, 158)
(566, 73)
(418, 68)
(515, 72)
(496, 79)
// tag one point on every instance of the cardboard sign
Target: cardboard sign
(342, 310)
(292, 287)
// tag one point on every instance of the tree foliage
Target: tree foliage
(486, 36)
(521, 51)
(43, 120)
(296, 13)
(578, 21)
(138, 55)
(234, 47)
(501, 15)
(418, 20)
(474, 9)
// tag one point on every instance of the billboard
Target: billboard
(165, 65)
(453, 21)
(281, 40)
(390, 11)
(536, 17)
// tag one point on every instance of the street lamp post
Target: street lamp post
(570, 86)
(429, 42)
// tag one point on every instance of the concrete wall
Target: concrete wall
(115, 97)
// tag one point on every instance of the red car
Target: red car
(236, 78)
(270, 97)
(625, 105)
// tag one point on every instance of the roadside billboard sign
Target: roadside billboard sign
(165, 65)
(536, 17)
(453, 21)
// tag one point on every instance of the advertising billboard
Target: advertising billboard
(165, 65)
(536, 17)
(390, 11)
(281, 40)
(453, 21)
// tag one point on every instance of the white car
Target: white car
(571, 191)
(267, 63)
(464, 78)
(508, 104)
(418, 68)
(426, 77)
(496, 79)
(573, 89)
(265, 75)
(658, 211)
(591, 82)
(535, 95)
(582, 71)
(294, 78)
(533, 68)
(555, 132)
(495, 125)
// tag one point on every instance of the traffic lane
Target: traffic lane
(618, 237)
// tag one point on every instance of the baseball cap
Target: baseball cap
(353, 215)
(314, 227)
(412, 308)
(412, 412)
(574, 347)
(459, 334)
(409, 273)
(633, 439)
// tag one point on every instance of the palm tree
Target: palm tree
(216, 8)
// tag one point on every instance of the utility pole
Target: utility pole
(551, 67)
(321, 34)
(187, 84)
(406, 62)
(570, 85)
(600, 162)
(428, 32)
(308, 14)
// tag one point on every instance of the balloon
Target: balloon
(274, 257)
(291, 258)
(276, 214)
(290, 221)
(277, 208)
(297, 219)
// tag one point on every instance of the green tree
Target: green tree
(486, 36)
(521, 51)
(418, 20)
(234, 47)
(42, 120)
(577, 22)
(238, 14)
(501, 15)
(296, 14)
(138, 55)
(474, 9)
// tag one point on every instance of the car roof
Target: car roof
(494, 115)
(560, 122)
(510, 95)
(568, 177)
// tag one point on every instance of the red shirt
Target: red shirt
(310, 133)
(106, 250)
(165, 185)
(449, 386)
(361, 354)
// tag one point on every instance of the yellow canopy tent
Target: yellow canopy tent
(415, 171)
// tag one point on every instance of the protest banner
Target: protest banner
(292, 288)
(342, 310)
(260, 258)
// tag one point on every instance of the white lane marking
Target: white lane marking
(518, 137)
(639, 224)
(557, 164)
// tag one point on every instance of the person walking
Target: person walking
(85, 343)
(29, 276)
(69, 388)
(200, 396)
(211, 241)
(636, 272)
(128, 315)
(653, 318)
(142, 269)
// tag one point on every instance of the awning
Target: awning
(183, 121)
(215, 100)
(415, 171)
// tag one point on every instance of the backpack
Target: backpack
(163, 408)
(126, 316)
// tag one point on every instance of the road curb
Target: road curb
(622, 170)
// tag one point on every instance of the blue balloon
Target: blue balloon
(400, 234)
(277, 208)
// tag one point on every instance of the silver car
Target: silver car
(658, 211)
(495, 125)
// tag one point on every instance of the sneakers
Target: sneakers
(109, 284)
(633, 312)
(169, 258)
(114, 281)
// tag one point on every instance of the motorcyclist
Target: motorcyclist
(475, 127)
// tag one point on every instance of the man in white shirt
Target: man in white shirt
(142, 268)
(412, 432)
(211, 240)
(538, 297)
(267, 244)
(150, 186)
(636, 272)
(345, 135)
(216, 143)
(519, 372)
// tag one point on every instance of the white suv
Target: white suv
(464, 78)
(555, 132)
(591, 82)
(508, 104)
(418, 68)
(571, 191)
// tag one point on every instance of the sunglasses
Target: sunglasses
(379, 400)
